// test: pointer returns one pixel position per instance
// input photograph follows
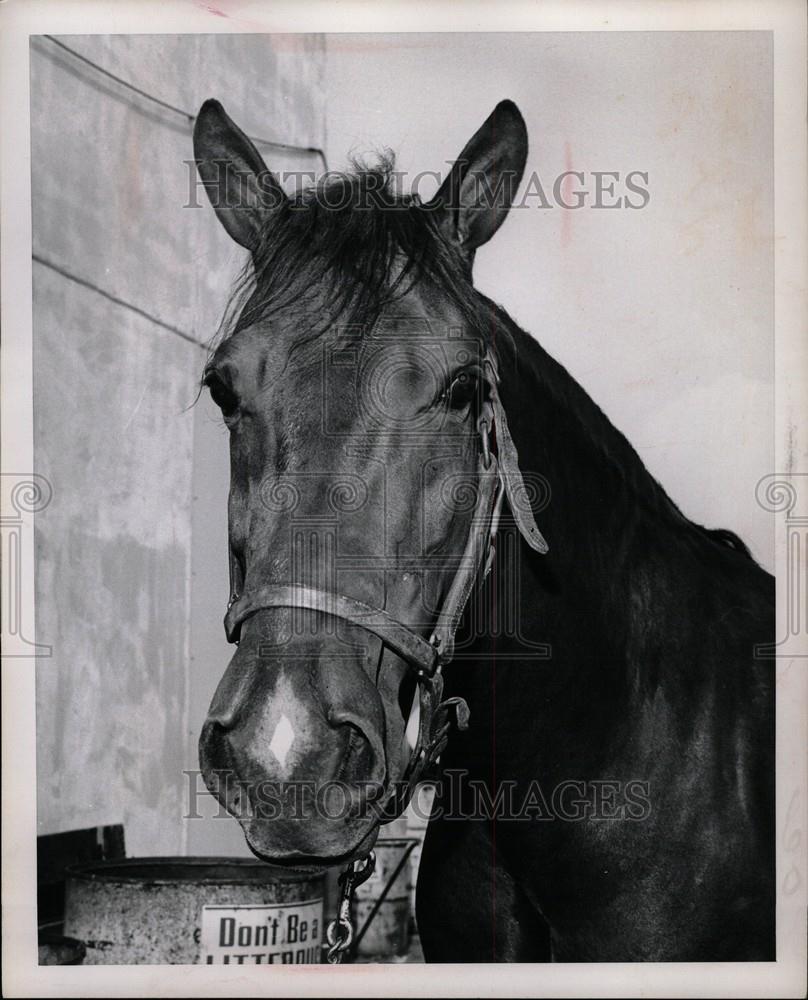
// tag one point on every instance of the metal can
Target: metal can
(157, 911)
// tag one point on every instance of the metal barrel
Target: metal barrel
(385, 933)
(168, 911)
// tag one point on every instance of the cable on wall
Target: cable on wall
(268, 143)
(189, 118)
(44, 262)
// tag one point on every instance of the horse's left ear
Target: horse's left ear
(475, 197)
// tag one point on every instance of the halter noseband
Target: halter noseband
(498, 476)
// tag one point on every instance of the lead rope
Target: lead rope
(340, 932)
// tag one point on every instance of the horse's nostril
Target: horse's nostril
(358, 758)
(363, 761)
(224, 720)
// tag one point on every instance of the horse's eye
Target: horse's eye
(463, 390)
(222, 395)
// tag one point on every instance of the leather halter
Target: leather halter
(498, 477)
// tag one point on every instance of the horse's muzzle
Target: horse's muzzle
(293, 745)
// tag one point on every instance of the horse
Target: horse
(447, 563)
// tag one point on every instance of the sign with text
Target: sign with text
(273, 934)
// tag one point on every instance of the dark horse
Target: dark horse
(393, 437)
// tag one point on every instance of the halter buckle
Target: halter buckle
(442, 655)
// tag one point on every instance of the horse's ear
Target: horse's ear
(475, 197)
(243, 191)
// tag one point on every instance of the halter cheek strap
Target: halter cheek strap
(479, 545)
(434, 722)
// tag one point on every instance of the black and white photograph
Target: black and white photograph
(405, 491)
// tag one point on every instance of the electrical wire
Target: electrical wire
(270, 144)
(58, 269)
(44, 262)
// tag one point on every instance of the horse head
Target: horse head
(369, 458)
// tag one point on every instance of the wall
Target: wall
(128, 286)
(664, 315)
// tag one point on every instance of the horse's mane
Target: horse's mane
(358, 243)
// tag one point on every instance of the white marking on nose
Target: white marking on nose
(282, 740)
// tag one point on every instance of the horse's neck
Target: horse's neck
(649, 684)
(614, 597)
(607, 521)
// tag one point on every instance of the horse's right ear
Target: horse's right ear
(475, 197)
(243, 191)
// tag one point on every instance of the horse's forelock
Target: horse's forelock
(356, 244)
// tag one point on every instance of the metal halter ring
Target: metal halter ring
(484, 424)
(338, 943)
(486, 442)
